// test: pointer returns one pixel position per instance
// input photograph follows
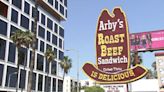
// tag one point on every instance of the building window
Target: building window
(40, 80)
(50, 2)
(61, 0)
(27, 7)
(13, 29)
(49, 23)
(14, 16)
(17, 3)
(36, 45)
(56, 28)
(65, 2)
(41, 46)
(61, 55)
(3, 9)
(54, 39)
(11, 77)
(3, 26)
(47, 66)
(55, 51)
(61, 9)
(2, 49)
(60, 86)
(66, 13)
(40, 62)
(60, 43)
(43, 19)
(47, 84)
(61, 32)
(56, 4)
(32, 26)
(33, 81)
(11, 56)
(33, 13)
(49, 46)
(41, 32)
(53, 67)
(1, 73)
(48, 36)
(54, 85)
(22, 79)
(24, 22)
(22, 56)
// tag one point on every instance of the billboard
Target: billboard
(113, 51)
(146, 41)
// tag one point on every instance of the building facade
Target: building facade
(70, 84)
(19, 14)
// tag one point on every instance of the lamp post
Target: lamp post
(8, 84)
(77, 53)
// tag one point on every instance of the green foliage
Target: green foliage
(50, 55)
(66, 64)
(22, 38)
(94, 89)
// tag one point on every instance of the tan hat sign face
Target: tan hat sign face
(113, 51)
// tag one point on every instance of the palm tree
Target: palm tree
(21, 38)
(29, 86)
(50, 56)
(154, 65)
(136, 58)
(154, 69)
(65, 65)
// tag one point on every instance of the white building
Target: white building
(19, 14)
(87, 83)
(70, 84)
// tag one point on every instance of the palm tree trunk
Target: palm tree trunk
(29, 86)
(136, 60)
(46, 90)
(63, 80)
(17, 83)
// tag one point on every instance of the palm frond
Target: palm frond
(50, 55)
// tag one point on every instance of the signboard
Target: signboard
(145, 41)
(113, 51)
(160, 69)
(115, 88)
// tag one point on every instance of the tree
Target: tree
(154, 70)
(65, 65)
(21, 38)
(94, 89)
(136, 58)
(29, 86)
(149, 74)
(50, 56)
(154, 65)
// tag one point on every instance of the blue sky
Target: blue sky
(80, 27)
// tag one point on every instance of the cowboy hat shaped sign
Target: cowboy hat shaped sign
(113, 51)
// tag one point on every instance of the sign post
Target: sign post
(113, 51)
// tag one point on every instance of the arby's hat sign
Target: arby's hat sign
(113, 51)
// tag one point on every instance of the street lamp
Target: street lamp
(77, 53)
(8, 84)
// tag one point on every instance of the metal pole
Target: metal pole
(77, 71)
